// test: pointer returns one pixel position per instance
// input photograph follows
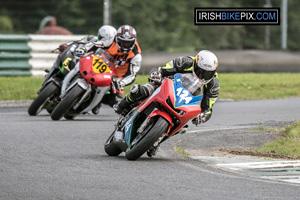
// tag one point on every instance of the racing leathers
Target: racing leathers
(183, 64)
(126, 67)
(127, 64)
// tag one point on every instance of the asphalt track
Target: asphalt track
(44, 159)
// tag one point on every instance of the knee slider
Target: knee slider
(134, 89)
(137, 92)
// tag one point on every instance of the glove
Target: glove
(117, 108)
(155, 77)
(118, 84)
(62, 47)
(80, 51)
(201, 118)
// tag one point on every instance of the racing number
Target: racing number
(99, 66)
(65, 64)
(184, 95)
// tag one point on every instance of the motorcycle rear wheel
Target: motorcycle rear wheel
(68, 101)
(110, 148)
(38, 103)
(159, 127)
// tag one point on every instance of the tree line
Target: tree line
(160, 25)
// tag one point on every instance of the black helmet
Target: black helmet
(126, 37)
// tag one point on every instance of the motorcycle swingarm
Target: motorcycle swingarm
(100, 92)
(85, 95)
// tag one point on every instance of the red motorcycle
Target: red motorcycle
(84, 87)
(160, 116)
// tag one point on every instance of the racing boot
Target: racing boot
(152, 151)
(122, 107)
(96, 109)
(183, 129)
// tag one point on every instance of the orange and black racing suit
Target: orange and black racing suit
(126, 67)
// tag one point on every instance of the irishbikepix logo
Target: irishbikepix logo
(237, 16)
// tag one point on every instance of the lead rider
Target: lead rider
(203, 66)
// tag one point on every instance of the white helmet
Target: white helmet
(106, 35)
(205, 66)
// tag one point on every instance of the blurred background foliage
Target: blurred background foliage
(160, 25)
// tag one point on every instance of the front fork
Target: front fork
(145, 124)
(163, 114)
(100, 92)
(122, 134)
(167, 117)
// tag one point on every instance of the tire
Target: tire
(69, 117)
(111, 148)
(37, 105)
(68, 101)
(160, 126)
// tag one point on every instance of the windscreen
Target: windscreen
(192, 84)
(105, 56)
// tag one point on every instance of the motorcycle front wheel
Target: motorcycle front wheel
(110, 148)
(159, 127)
(39, 102)
(68, 101)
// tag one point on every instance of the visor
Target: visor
(126, 44)
(203, 74)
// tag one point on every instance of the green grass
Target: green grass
(276, 129)
(288, 144)
(19, 88)
(259, 86)
(233, 86)
(181, 151)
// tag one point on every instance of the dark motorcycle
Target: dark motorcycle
(48, 95)
(162, 115)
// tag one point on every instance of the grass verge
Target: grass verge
(288, 145)
(19, 88)
(242, 86)
(181, 151)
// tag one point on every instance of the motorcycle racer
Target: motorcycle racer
(203, 66)
(73, 46)
(126, 55)
(104, 38)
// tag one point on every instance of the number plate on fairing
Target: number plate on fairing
(99, 66)
(182, 96)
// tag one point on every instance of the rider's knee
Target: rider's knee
(140, 92)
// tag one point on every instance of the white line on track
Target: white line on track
(278, 170)
(219, 129)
